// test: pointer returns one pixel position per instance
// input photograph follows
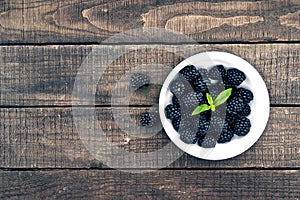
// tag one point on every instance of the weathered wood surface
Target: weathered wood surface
(179, 184)
(76, 21)
(47, 138)
(45, 75)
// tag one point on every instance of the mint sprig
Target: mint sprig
(221, 98)
(200, 109)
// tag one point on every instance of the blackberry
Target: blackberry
(234, 77)
(187, 136)
(203, 72)
(242, 126)
(220, 111)
(208, 142)
(235, 105)
(233, 91)
(244, 94)
(199, 85)
(216, 123)
(138, 80)
(230, 119)
(190, 73)
(246, 111)
(225, 127)
(172, 112)
(215, 90)
(177, 87)
(217, 72)
(200, 139)
(192, 99)
(214, 93)
(205, 115)
(175, 101)
(203, 126)
(176, 123)
(204, 76)
(185, 114)
(225, 137)
(187, 120)
(148, 119)
(195, 140)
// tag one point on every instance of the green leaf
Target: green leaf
(222, 97)
(213, 107)
(209, 99)
(201, 108)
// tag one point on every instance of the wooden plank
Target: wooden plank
(179, 184)
(48, 138)
(76, 21)
(45, 75)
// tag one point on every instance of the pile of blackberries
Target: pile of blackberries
(189, 90)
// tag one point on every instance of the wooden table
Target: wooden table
(43, 45)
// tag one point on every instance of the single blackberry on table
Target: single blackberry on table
(234, 77)
(203, 126)
(235, 105)
(176, 123)
(244, 94)
(192, 99)
(177, 87)
(190, 73)
(242, 126)
(148, 119)
(187, 135)
(217, 72)
(138, 80)
(172, 112)
(225, 137)
(245, 111)
(208, 142)
(199, 85)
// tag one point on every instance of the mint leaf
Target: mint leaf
(200, 109)
(213, 107)
(222, 97)
(209, 99)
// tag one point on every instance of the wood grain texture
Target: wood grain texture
(48, 138)
(32, 76)
(94, 21)
(181, 184)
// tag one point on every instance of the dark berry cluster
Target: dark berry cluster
(207, 129)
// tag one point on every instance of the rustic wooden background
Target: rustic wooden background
(43, 43)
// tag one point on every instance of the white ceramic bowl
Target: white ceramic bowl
(259, 106)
